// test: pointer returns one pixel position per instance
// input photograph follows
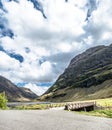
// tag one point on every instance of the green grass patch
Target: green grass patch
(38, 106)
(31, 107)
(100, 113)
(104, 102)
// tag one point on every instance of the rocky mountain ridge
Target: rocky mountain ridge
(88, 76)
(15, 93)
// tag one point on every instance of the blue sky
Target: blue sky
(38, 38)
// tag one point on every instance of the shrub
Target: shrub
(3, 101)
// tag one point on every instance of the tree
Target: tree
(3, 101)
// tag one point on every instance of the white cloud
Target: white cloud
(52, 42)
(99, 27)
(7, 62)
(39, 90)
(44, 37)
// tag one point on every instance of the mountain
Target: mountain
(88, 76)
(15, 93)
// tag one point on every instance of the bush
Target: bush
(3, 101)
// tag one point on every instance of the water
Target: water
(12, 104)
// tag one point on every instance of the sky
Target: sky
(38, 38)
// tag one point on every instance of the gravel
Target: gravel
(53, 119)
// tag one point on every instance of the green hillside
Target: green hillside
(88, 76)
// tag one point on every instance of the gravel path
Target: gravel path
(51, 120)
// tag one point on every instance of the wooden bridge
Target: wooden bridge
(84, 106)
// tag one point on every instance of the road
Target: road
(51, 120)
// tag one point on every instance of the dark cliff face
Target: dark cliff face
(15, 93)
(91, 68)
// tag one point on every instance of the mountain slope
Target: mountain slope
(15, 93)
(88, 76)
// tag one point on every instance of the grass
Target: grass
(31, 107)
(38, 106)
(107, 102)
(99, 113)
(107, 112)
(104, 102)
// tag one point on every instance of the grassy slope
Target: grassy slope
(92, 85)
(103, 90)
